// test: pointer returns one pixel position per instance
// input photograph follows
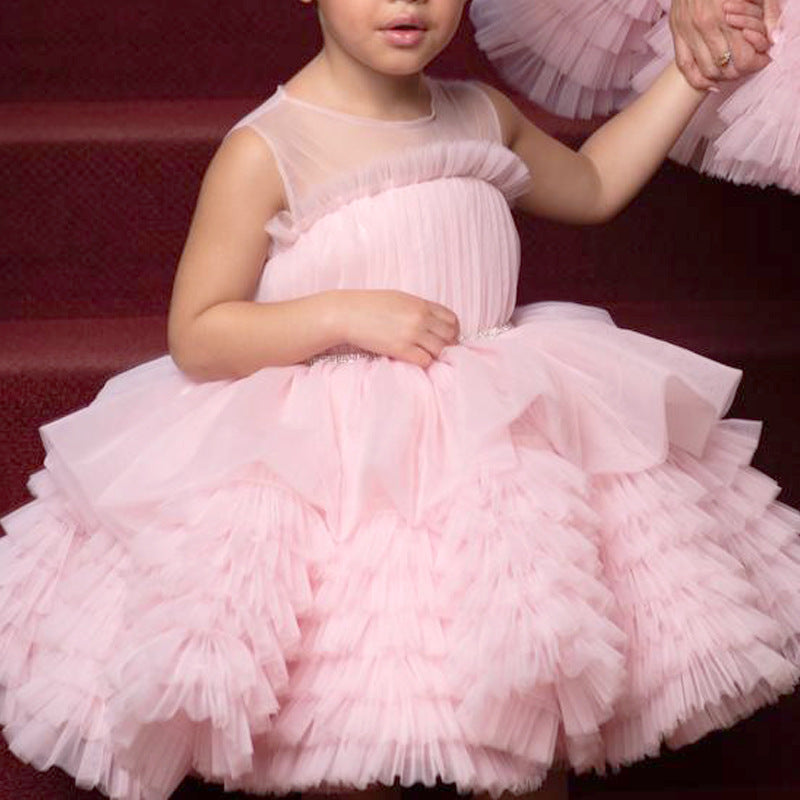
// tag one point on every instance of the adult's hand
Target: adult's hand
(705, 31)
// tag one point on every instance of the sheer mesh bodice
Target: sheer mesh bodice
(314, 145)
(420, 206)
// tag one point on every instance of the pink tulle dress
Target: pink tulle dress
(546, 548)
(580, 58)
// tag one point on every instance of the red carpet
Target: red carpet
(110, 116)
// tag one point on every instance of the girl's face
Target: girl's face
(391, 37)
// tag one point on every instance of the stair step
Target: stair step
(137, 121)
(96, 200)
(53, 49)
(79, 50)
(92, 346)
(96, 205)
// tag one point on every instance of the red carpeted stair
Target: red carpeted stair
(110, 114)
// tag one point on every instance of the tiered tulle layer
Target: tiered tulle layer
(576, 59)
(591, 58)
(521, 557)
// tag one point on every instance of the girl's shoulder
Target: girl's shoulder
(260, 117)
(468, 104)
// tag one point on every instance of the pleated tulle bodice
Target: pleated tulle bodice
(419, 206)
(449, 238)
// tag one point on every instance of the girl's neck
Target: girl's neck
(342, 86)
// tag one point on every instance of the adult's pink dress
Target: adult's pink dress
(546, 547)
(580, 58)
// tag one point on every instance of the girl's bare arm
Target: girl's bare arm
(596, 182)
(216, 330)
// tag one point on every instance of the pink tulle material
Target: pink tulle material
(593, 57)
(576, 59)
(749, 132)
(547, 548)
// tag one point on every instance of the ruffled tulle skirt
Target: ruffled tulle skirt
(548, 548)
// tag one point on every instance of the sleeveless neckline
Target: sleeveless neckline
(400, 123)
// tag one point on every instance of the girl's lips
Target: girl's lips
(403, 37)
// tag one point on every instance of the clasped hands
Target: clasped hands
(721, 39)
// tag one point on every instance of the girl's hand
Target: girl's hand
(703, 35)
(397, 324)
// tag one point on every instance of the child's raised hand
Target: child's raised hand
(399, 325)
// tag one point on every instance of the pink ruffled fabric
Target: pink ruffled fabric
(594, 57)
(545, 548)
(575, 59)
(749, 132)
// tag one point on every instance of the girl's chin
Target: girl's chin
(404, 63)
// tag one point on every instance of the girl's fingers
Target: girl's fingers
(444, 320)
(439, 335)
(442, 311)
(431, 344)
(444, 331)
(419, 356)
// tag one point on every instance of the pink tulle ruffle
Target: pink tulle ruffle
(551, 551)
(574, 59)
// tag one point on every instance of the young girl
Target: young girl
(369, 526)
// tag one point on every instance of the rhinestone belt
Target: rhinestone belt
(344, 353)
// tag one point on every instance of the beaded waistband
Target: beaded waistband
(345, 353)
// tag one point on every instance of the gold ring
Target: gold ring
(725, 59)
